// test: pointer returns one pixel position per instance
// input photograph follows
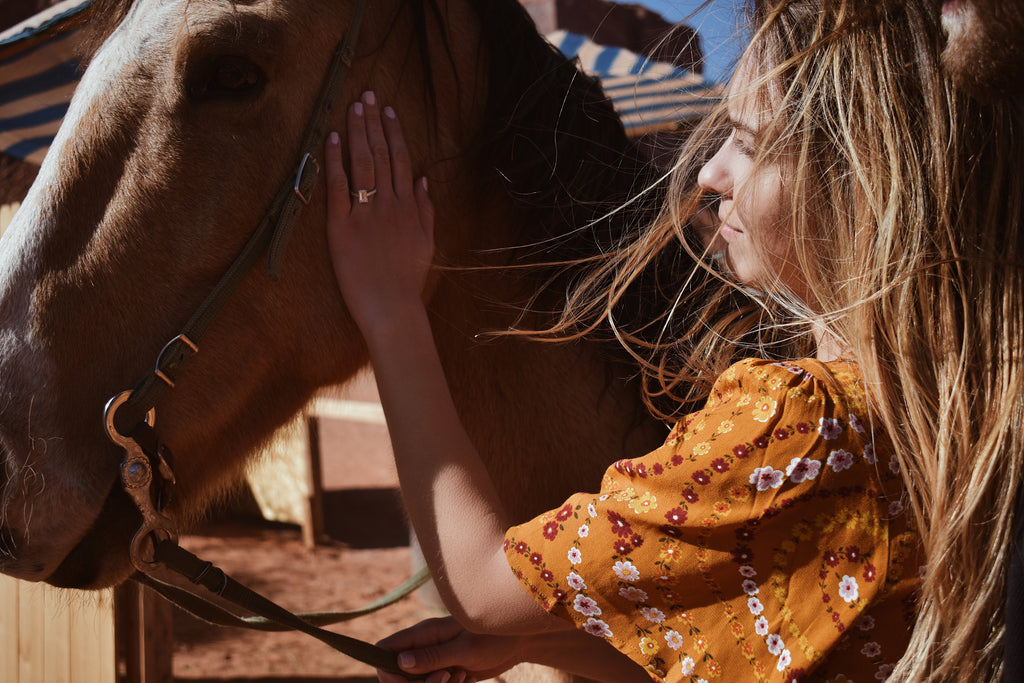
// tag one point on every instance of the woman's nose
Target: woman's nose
(714, 176)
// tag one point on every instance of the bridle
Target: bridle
(129, 417)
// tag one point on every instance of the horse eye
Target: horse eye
(227, 77)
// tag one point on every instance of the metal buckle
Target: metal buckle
(159, 372)
(305, 183)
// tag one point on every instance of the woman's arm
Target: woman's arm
(436, 647)
(381, 251)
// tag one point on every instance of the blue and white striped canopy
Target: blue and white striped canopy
(649, 96)
(39, 71)
(38, 74)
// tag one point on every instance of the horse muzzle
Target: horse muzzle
(48, 507)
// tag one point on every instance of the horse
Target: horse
(182, 127)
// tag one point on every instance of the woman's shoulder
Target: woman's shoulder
(806, 385)
(775, 490)
(760, 402)
(835, 377)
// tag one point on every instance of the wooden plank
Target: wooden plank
(10, 624)
(106, 651)
(158, 625)
(93, 659)
(57, 639)
(32, 630)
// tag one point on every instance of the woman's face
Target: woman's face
(754, 206)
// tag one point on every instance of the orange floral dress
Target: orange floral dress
(765, 541)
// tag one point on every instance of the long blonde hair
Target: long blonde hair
(907, 224)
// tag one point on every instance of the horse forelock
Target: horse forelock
(102, 18)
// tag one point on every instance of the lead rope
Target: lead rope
(214, 614)
(272, 617)
(155, 544)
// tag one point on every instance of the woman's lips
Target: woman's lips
(729, 233)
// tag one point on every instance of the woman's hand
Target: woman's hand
(380, 224)
(441, 651)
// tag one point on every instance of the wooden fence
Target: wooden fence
(49, 635)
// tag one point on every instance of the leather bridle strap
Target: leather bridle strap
(271, 235)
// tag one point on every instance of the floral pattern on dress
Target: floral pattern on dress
(765, 540)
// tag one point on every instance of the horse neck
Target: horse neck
(547, 418)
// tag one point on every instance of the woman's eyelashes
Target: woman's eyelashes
(743, 145)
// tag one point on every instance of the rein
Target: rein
(146, 473)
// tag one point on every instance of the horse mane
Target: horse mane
(554, 139)
(585, 189)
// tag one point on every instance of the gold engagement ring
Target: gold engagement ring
(363, 196)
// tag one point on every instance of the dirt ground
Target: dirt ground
(365, 556)
(272, 559)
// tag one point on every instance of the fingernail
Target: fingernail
(389, 112)
(369, 98)
(358, 108)
(445, 676)
(406, 660)
(424, 181)
(334, 138)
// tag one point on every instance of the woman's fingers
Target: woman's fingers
(379, 157)
(426, 632)
(401, 167)
(337, 181)
(362, 161)
(378, 144)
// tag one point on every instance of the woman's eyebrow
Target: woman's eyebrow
(742, 127)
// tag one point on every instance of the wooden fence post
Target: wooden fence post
(145, 634)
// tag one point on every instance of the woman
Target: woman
(783, 530)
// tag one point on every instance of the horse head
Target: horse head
(183, 126)
(188, 119)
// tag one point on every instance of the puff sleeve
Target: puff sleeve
(766, 540)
